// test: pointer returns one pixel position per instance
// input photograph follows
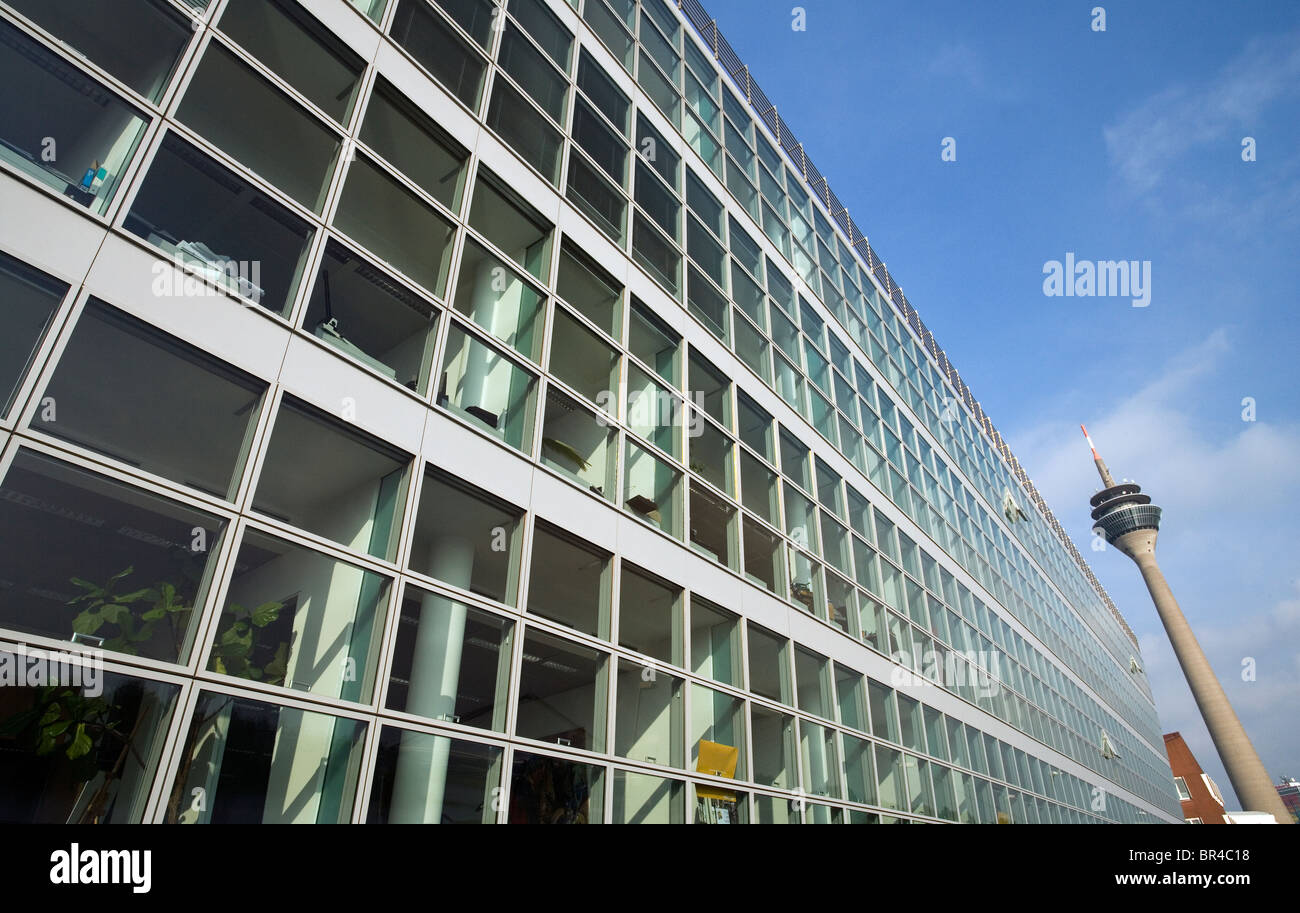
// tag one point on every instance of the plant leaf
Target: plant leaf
(88, 622)
(266, 613)
(81, 743)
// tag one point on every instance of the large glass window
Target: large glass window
(715, 643)
(303, 53)
(764, 562)
(595, 196)
(851, 698)
(82, 753)
(129, 391)
(466, 538)
(859, 771)
(708, 304)
(359, 311)
(550, 790)
(652, 249)
(569, 582)
(889, 768)
(774, 747)
(711, 455)
(755, 427)
(545, 29)
(589, 289)
(499, 300)
(578, 444)
(28, 302)
(643, 799)
(658, 202)
(63, 129)
(422, 778)
(392, 222)
(99, 562)
(607, 148)
(840, 607)
(750, 347)
(533, 72)
(713, 525)
(710, 389)
(333, 480)
(650, 616)
(653, 412)
(812, 673)
(717, 733)
(911, 723)
(610, 30)
(530, 134)
(652, 490)
(562, 693)
(488, 389)
(428, 38)
(945, 799)
(934, 732)
(776, 810)
(769, 672)
(656, 344)
(759, 489)
(794, 461)
(298, 618)
(451, 661)
(805, 582)
(648, 716)
(512, 225)
(273, 136)
(957, 740)
(821, 769)
(411, 141)
(139, 44)
(251, 762)
(583, 360)
(884, 715)
(206, 217)
(603, 92)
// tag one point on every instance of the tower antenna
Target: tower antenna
(1106, 479)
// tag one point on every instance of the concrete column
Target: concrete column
(420, 781)
(495, 300)
(1249, 778)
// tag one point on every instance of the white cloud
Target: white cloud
(1158, 432)
(1147, 140)
(1164, 148)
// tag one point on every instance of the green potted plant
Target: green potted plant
(64, 724)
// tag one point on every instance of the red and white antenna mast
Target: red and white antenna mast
(1099, 462)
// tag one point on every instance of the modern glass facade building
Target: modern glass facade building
(457, 411)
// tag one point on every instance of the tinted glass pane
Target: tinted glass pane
(28, 300)
(100, 562)
(137, 395)
(139, 43)
(299, 50)
(395, 224)
(204, 216)
(332, 480)
(259, 763)
(63, 129)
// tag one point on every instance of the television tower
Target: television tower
(1130, 522)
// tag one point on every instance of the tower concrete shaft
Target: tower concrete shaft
(1250, 781)
(1130, 522)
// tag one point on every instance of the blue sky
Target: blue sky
(1122, 144)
